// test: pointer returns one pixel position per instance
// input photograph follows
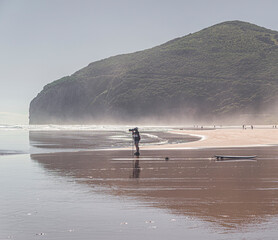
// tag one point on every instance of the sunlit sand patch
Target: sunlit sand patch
(222, 138)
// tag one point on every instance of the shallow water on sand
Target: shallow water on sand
(113, 195)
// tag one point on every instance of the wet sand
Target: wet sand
(230, 194)
(191, 182)
(171, 193)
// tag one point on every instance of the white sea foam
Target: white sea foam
(53, 127)
(62, 127)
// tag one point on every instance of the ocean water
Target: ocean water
(53, 138)
(73, 182)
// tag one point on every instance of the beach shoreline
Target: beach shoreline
(222, 138)
(65, 183)
(199, 138)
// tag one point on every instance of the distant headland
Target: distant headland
(228, 69)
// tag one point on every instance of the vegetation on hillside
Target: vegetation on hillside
(224, 69)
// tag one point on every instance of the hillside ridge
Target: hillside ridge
(228, 68)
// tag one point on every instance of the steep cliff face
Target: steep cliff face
(227, 68)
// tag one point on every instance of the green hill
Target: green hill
(228, 68)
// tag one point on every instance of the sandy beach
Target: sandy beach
(67, 187)
(222, 138)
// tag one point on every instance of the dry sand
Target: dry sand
(224, 138)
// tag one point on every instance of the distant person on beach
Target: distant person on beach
(136, 138)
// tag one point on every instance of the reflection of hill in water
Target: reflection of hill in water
(232, 193)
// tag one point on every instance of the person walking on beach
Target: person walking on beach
(136, 138)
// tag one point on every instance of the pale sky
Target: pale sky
(44, 40)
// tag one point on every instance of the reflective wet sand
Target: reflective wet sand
(62, 190)
(228, 193)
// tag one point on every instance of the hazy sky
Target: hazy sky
(44, 40)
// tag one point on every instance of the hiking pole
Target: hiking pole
(132, 146)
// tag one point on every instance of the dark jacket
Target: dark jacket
(136, 136)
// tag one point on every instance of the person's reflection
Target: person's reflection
(136, 168)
